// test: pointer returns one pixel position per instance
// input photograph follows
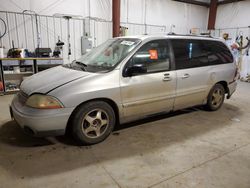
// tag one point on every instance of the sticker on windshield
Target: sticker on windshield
(127, 43)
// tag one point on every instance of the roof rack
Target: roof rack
(191, 35)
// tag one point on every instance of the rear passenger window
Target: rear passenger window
(189, 53)
(197, 53)
(218, 53)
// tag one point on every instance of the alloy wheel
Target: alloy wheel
(217, 97)
(95, 123)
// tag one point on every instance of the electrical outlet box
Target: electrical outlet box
(86, 44)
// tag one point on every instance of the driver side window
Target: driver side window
(154, 55)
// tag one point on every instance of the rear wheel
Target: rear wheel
(93, 122)
(216, 97)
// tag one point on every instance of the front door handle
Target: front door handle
(167, 77)
(185, 76)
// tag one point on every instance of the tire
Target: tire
(215, 98)
(93, 122)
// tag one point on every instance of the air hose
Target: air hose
(5, 28)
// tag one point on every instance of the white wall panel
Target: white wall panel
(183, 16)
(101, 9)
(233, 15)
(136, 11)
(15, 5)
(165, 12)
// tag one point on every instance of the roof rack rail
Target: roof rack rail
(192, 35)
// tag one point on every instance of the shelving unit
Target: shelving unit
(15, 70)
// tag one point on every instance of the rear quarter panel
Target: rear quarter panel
(223, 72)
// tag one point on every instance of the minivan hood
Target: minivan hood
(47, 80)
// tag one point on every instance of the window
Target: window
(218, 53)
(106, 56)
(154, 55)
(190, 53)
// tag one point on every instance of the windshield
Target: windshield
(106, 56)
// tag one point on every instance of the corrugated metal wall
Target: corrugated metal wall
(21, 29)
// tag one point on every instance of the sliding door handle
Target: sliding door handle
(167, 78)
(185, 76)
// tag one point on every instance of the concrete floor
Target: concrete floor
(190, 148)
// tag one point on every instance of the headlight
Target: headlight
(43, 102)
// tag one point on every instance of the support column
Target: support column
(116, 17)
(212, 14)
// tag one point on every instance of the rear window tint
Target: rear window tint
(190, 53)
(218, 53)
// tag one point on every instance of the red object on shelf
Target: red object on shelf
(1, 86)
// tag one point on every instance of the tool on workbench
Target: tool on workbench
(58, 48)
(17, 52)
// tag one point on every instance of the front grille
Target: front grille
(22, 97)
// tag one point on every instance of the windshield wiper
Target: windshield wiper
(81, 63)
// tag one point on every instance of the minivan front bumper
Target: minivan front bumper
(231, 89)
(40, 122)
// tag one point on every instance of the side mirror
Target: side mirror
(136, 69)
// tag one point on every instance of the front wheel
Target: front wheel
(216, 97)
(93, 122)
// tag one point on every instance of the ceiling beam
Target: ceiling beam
(228, 1)
(194, 2)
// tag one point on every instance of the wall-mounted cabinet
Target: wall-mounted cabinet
(15, 70)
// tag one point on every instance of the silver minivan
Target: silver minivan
(125, 79)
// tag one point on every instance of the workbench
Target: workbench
(14, 70)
